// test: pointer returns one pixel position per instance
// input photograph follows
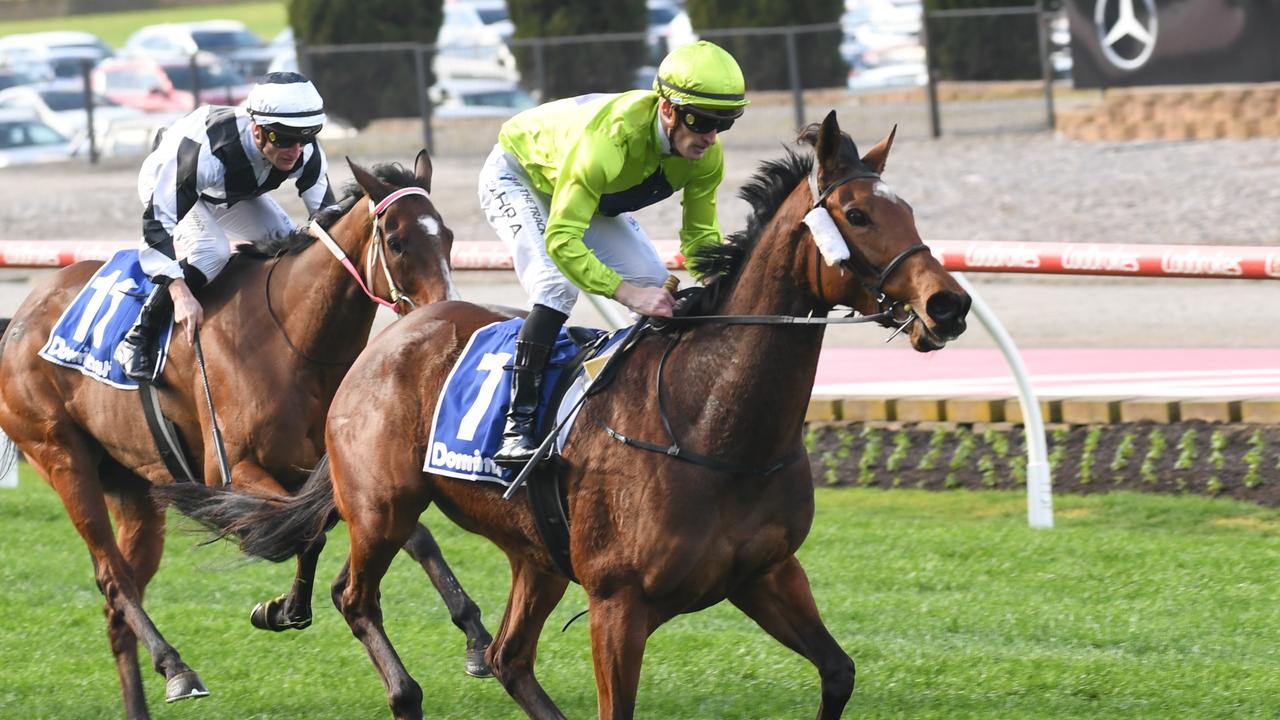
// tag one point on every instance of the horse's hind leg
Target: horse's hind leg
(81, 491)
(140, 537)
(534, 594)
(292, 611)
(782, 603)
(375, 540)
(463, 611)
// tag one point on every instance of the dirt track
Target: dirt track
(1018, 186)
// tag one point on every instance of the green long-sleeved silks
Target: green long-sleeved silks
(578, 150)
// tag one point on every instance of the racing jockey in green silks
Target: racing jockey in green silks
(562, 181)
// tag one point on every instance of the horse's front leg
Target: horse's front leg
(620, 627)
(782, 603)
(534, 594)
(465, 614)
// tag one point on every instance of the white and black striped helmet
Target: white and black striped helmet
(287, 100)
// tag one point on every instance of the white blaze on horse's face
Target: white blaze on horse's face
(882, 189)
(431, 227)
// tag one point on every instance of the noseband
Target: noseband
(867, 274)
(375, 249)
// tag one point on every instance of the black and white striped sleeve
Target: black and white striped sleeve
(176, 191)
(313, 183)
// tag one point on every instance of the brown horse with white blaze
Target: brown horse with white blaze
(652, 536)
(284, 323)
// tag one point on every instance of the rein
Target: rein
(375, 249)
(871, 278)
(676, 451)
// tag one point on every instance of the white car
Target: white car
(478, 98)
(467, 48)
(61, 105)
(65, 51)
(25, 140)
(229, 39)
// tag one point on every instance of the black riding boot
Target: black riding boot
(136, 354)
(533, 350)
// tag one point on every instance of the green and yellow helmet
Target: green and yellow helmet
(703, 75)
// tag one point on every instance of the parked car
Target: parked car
(494, 14)
(660, 13)
(228, 39)
(467, 48)
(220, 82)
(25, 140)
(478, 98)
(61, 105)
(65, 51)
(167, 85)
(24, 74)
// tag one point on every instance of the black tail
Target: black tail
(272, 529)
(8, 451)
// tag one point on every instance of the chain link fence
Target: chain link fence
(463, 93)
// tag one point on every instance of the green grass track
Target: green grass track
(1132, 607)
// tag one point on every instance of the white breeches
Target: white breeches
(204, 236)
(518, 213)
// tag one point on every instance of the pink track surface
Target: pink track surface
(1144, 372)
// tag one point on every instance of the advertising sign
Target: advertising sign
(1118, 43)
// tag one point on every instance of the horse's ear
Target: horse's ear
(373, 187)
(827, 147)
(878, 155)
(422, 169)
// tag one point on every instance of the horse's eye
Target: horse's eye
(857, 217)
(394, 244)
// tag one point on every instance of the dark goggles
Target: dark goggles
(702, 124)
(284, 140)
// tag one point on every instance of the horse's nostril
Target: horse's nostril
(945, 307)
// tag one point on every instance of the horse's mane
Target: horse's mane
(393, 174)
(765, 192)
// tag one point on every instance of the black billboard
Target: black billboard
(1167, 42)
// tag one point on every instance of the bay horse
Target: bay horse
(285, 321)
(652, 536)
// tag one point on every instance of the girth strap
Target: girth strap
(165, 436)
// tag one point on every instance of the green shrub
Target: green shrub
(1186, 450)
(763, 58)
(1003, 47)
(937, 440)
(362, 86)
(1156, 445)
(578, 68)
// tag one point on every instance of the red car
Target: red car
(167, 85)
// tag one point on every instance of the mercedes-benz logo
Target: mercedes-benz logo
(1127, 41)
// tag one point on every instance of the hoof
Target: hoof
(269, 616)
(184, 685)
(476, 666)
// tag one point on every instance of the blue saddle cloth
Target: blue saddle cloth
(470, 416)
(86, 335)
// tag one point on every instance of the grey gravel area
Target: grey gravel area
(1024, 186)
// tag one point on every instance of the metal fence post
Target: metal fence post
(195, 82)
(935, 118)
(86, 69)
(793, 69)
(540, 68)
(424, 100)
(1046, 67)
